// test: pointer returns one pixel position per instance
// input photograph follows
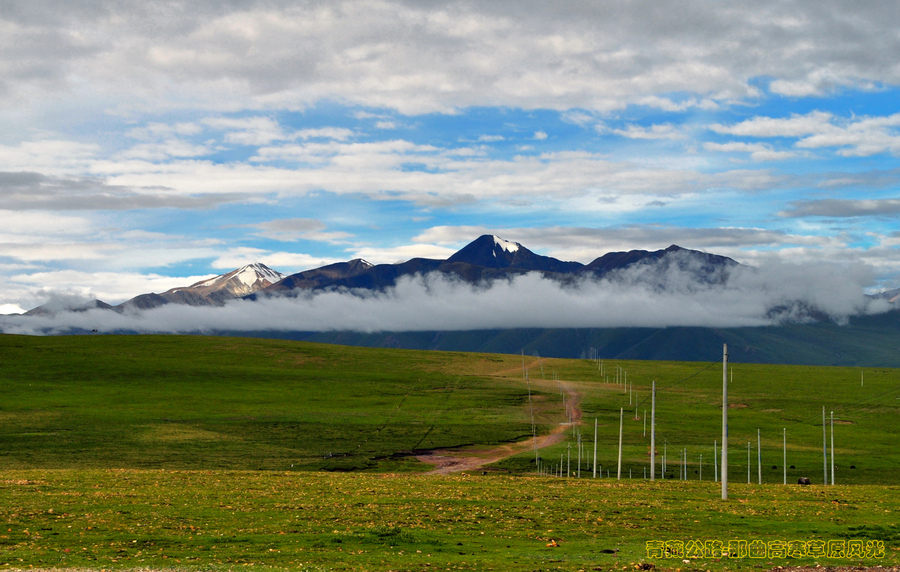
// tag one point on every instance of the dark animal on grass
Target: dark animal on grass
(803, 481)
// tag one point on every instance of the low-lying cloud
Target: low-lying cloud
(641, 296)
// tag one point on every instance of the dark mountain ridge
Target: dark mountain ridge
(492, 258)
(485, 259)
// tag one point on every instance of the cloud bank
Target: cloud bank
(641, 296)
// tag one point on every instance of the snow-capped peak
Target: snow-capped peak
(245, 279)
(253, 273)
(506, 245)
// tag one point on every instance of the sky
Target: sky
(148, 145)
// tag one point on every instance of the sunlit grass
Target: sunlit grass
(126, 519)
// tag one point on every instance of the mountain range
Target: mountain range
(811, 337)
(485, 259)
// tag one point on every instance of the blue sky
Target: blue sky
(147, 145)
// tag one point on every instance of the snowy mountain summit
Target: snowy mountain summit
(506, 245)
(490, 251)
(214, 291)
(245, 280)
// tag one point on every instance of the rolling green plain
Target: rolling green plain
(201, 453)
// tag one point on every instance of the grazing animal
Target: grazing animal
(803, 481)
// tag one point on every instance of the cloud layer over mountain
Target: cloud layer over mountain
(640, 296)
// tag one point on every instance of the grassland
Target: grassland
(213, 453)
(337, 521)
(221, 403)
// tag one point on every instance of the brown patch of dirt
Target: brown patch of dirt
(448, 461)
(737, 405)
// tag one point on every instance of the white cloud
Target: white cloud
(163, 151)
(294, 229)
(667, 104)
(6, 309)
(438, 302)
(844, 208)
(758, 151)
(418, 58)
(793, 126)
(660, 131)
(111, 287)
(337, 133)
(540, 135)
(50, 156)
(155, 130)
(855, 136)
(247, 130)
(450, 176)
(284, 262)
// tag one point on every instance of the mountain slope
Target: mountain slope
(704, 267)
(59, 306)
(211, 292)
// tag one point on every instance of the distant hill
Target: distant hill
(870, 341)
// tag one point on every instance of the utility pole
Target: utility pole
(824, 448)
(578, 471)
(759, 456)
(619, 470)
(784, 452)
(653, 434)
(724, 421)
(832, 448)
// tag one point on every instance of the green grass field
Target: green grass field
(334, 521)
(221, 403)
(216, 453)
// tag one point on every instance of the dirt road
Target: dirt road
(448, 461)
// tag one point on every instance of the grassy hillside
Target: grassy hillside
(870, 341)
(199, 402)
(181, 402)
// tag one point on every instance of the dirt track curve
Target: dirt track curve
(447, 461)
